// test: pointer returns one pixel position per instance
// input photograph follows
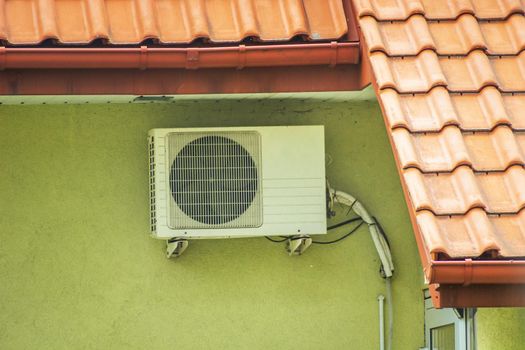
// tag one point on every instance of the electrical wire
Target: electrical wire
(357, 218)
(276, 240)
(339, 224)
(342, 237)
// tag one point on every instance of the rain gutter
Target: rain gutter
(468, 271)
(329, 54)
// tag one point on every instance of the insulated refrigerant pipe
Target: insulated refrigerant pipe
(380, 243)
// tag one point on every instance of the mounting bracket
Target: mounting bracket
(296, 245)
(175, 247)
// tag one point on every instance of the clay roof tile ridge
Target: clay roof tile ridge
(506, 146)
(493, 107)
(517, 34)
(514, 181)
(471, 33)
(480, 69)
(419, 34)
(481, 231)
(98, 19)
(47, 19)
(247, 17)
(431, 69)
(146, 17)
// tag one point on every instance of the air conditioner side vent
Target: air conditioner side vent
(153, 216)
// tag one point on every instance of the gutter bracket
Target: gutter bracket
(242, 57)
(143, 58)
(3, 57)
(192, 58)
(333, 57)
(468, 272)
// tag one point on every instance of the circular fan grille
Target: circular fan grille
(213, 180)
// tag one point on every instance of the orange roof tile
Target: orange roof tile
(444, 151)
(454, 37)
(457, 192)
(474, 233)
(450, 76)
(169, 21)
(468, 73)
(430, 112)
(398, 10)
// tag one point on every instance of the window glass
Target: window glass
(443, 338)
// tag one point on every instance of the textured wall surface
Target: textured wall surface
(501, 329)
(79, 270)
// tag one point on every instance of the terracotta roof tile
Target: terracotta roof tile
(388, 10)
(470, 73)
(474, 233)
(457, 37)
(446, 150)
(396, 10)
(491, 9)
(169, 21)
(397, 38)
(461, 190)
(419, 112)
(505, 37)
(432, 111)
(410, 74)
(450, 76)
(482, 111)
(510, 72)
(515, 105)
(447, 9)
(453, 37)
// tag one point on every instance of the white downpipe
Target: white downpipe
(381, 301)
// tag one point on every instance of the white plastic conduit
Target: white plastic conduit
(383, 250)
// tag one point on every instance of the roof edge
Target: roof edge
(478, 295)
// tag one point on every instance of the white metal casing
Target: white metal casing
(292, 183)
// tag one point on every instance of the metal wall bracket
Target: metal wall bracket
(296, 245)
(175, 247)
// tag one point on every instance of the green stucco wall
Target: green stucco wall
(78, 269)
(501, 329)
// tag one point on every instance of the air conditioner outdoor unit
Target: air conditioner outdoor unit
(237, 182)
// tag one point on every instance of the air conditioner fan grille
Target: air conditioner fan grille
(214, 180)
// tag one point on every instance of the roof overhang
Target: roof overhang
(194, 68)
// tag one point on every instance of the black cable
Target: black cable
(340, 238)
(275, 240)
(357, 218)
(351, 206)
(343, 223)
